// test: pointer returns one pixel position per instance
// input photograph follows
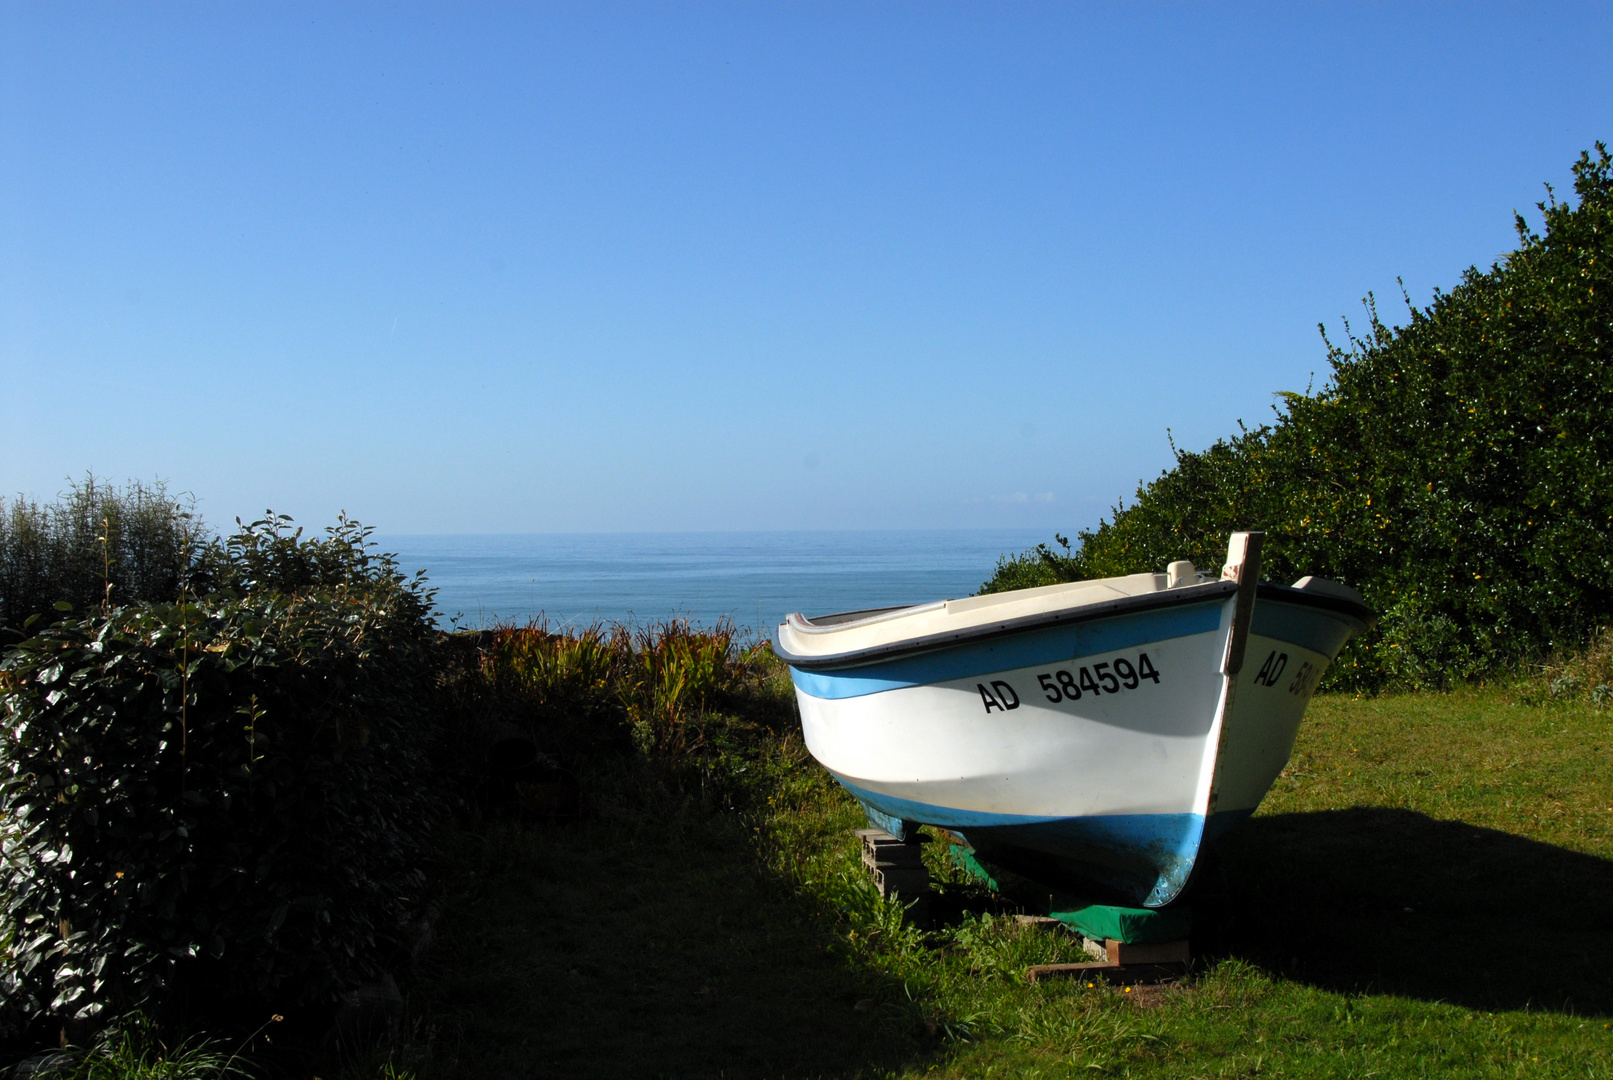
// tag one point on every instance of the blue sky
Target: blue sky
(486, 268)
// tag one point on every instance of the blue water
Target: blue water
(753, 578)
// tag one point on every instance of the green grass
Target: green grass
(1426, 892)
(131, 1048)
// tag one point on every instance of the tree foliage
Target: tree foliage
(227, 794)
(1458, 470)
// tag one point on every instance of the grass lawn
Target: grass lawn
(1427, 891)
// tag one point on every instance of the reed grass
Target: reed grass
(1586, 672)
(666, 689)
(96, 543)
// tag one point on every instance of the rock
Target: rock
(369, 1011)
(43, 1066)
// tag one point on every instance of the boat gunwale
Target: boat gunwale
(1125, 605)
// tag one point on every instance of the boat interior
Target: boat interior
(857, 631)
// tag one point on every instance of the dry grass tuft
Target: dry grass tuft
(1586, 673)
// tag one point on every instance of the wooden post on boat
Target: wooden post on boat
(1243, 566)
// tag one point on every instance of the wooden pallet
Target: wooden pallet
(1121, 963)
(897, 867)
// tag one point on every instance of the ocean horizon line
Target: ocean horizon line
(752, 577)
(973, 529)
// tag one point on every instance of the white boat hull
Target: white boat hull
(1110, 789)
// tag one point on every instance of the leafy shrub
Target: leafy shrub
(228, 795)
(1032, 569)
(94, 542)
(271, 556)
(662, 690)
(1457, 470)
(678, 676)
(563, 685)
(131, 1048)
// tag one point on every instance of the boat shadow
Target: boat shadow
(1393, 901)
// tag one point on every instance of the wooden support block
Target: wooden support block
(1110, 951)
(1121, 963)
(1114, 974)
(1159, 952)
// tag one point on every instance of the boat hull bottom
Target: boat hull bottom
(1142, 860)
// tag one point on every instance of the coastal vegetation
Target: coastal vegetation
(1458, 470)
(221, 799)
(1418, 896)
(255, 821)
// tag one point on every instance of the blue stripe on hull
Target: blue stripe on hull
(1309, 628)
(1045, 645)
(1141, 859)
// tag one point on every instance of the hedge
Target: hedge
(1458, 470)
(227, 796)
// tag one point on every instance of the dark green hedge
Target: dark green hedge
(228, 795)
(1458, 469)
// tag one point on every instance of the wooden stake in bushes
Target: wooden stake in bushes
(106, 565)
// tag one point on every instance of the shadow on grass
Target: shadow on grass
(1393, 901)
(653, 948)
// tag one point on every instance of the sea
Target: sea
(753, 579)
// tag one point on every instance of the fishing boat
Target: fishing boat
(1093, 735)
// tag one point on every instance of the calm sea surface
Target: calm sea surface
(755, 579)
